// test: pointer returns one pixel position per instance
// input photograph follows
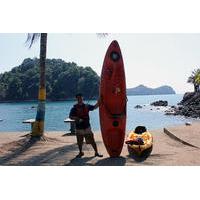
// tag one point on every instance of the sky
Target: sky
(149, 59)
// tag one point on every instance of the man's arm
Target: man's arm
(72, 114)
(74, 118)
(93, 107)
(97, 104)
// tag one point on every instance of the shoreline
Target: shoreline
(47, 100)
(73, 99)
(190, 120)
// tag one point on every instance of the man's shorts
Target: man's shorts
(87, 134)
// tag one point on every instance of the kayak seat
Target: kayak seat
(140, 129)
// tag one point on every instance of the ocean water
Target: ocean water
(14, 113)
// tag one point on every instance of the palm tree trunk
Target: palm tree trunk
(196, 88)
(38, 126)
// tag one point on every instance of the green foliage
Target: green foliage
(63, 81)
(191, 78)
(197, 78)
(194, 78)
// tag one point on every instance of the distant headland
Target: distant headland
(143, 90)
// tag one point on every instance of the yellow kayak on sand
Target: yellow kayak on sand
(140, 143)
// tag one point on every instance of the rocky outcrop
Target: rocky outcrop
(189, 106)
(138, 106)
(159, 103)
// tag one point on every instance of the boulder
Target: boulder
(159, 103)
(190, 98)
(187, 96)
(188, 123)
(138, 106)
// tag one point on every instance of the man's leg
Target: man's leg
(80, 145)
(93, 143)
(90, 139)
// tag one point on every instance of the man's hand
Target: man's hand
(99, 101)
(80, 120)
(75, 118)
(96, 105)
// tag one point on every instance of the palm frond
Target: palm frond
(194, 78)
(197, 78)
(31, 38)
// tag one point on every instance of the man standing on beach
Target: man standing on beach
(80, 113)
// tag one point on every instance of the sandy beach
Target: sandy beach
(179, 148)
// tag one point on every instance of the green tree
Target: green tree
(194, 78)
(63, 81)
(197, 78)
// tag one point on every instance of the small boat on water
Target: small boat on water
(1, 120)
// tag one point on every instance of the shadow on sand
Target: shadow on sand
(118, 161)
(138, 159)
(54, 157)
(150, 160)
(20, 147)
(80, 161)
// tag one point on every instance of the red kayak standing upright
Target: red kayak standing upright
(112, 109)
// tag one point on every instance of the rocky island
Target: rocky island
(143, 90)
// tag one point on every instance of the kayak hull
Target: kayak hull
(112, 110)
(135, 153)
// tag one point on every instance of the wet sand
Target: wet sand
(59, 150)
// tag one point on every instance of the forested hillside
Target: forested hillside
(63, 81)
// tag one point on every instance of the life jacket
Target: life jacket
(82, 111)
(136, 147)
(146, 135)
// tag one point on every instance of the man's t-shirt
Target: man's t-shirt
(82, 112)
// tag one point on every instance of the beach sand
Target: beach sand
(59, 150)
